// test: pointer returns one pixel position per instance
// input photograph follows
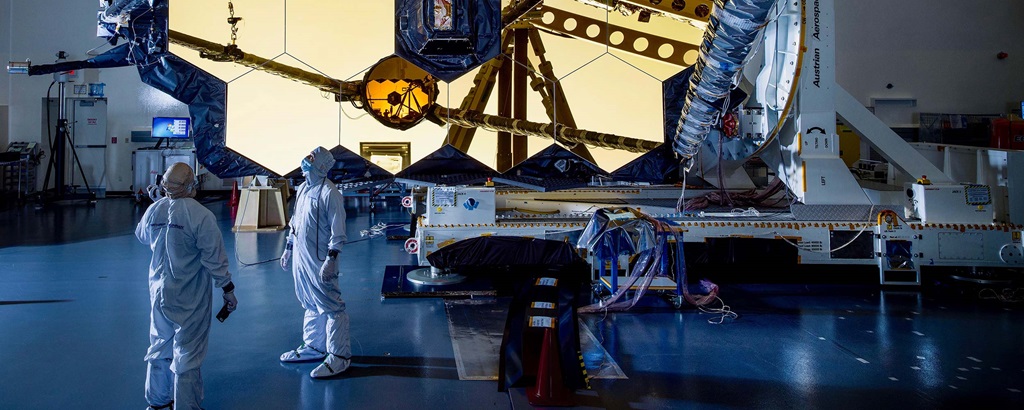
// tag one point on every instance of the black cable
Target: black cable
(245, 265)
(358, 240)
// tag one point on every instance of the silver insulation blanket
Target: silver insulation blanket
(733, 28)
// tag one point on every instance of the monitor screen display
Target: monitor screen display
(172, 127)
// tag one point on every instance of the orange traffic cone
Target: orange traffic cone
(233, 202)
(550, 389)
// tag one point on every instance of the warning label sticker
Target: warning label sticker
(542, 305)
(542, 321)
(547, 282)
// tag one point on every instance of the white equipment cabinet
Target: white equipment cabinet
(87, 131)
(959, 203)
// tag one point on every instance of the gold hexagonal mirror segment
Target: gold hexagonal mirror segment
(398, 93)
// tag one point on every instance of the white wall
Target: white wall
(5, 48)
(940, 52)
(40, 28)
(4, 126)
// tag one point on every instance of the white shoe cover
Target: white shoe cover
(168, 406)
(331, 366)
(302, 353)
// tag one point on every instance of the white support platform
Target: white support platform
(993, 245)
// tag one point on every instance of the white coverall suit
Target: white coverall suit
(317, 227)
(188, 253)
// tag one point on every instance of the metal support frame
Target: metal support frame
(541, 81)
(884, 140)
(698, 10)
(600, 32)
(478, 96)
(607, 272)
(504, 157)
(557, 132)
(345, 90)
(60, 143)
(519, 88)
(809, 160)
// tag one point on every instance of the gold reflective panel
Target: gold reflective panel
(275, 120)
(397, 93)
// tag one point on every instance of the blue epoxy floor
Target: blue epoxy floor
(73, 330)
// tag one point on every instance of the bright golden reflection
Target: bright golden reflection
(398, 93)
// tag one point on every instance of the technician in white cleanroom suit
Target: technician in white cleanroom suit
(316, 237)
(188, 254)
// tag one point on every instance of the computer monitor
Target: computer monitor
(172, 127)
